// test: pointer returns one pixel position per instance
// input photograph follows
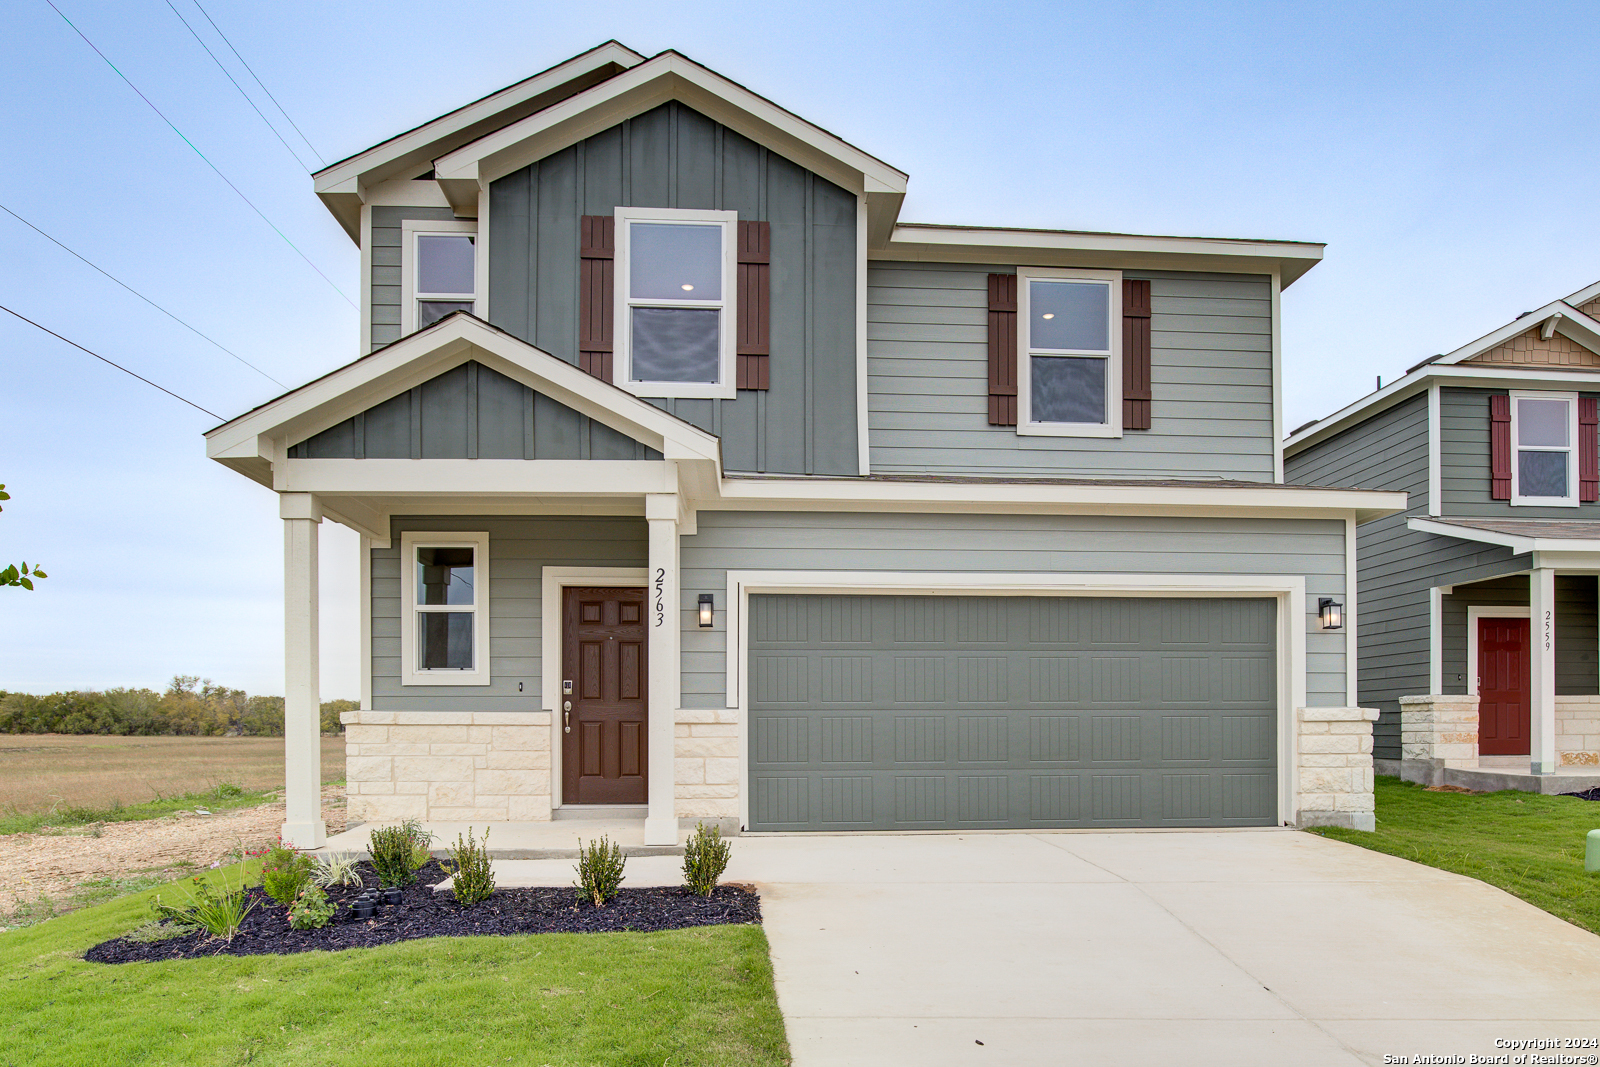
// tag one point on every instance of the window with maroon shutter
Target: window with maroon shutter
(597, 254)
(1588, 449)
(1500, 447)
(1135, 355)
(755, 303)
(1002, 350)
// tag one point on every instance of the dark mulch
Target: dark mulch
(1587, 794)
(424, 913)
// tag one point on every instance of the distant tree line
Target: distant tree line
(191, 706)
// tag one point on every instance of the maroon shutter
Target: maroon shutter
(1003, 350)
(1499, 447)
(597, 252)
(755, 303)
(1136, 355)
(1588, 449)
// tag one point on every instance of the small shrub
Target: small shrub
(218, 911)
(600, 866)
(469, 866)
(313, 910)
(338, 868)
(705, 857)
(156, 930)
(398, 852)
(285, 873)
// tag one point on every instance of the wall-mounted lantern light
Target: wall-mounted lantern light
(1330, 613)
(706, 607)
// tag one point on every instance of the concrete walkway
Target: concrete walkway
(1250, 947)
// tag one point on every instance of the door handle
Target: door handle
(566, 717)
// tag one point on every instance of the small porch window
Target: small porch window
(440, 271)
(445, 628)
(1070, 351)
(1544, 468)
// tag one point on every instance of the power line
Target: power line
(281, 111)
(298, 161)
(141, 296)
(119, 366)
(202, 155)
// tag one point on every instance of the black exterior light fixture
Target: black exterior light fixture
(1330, 613)
(706, 607)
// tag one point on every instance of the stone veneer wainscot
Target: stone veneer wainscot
(1335, 766)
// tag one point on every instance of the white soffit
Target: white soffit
(343, 186)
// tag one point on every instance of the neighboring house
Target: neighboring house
(692, 484)
(1495, 445)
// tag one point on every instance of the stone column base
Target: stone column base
(1437, 731)
(1334, 756)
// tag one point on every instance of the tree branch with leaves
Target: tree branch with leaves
(14, 574)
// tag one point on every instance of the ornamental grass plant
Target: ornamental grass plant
(218, 910)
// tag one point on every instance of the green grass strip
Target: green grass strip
(223, 797)
(700, 996)
(1527, 844)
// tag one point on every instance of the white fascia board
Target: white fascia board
(1584, 295)
(412, 360)
(474, 477)
(1516, 542)
(865, 495)
(916, 241)
(405, 193)
(1572, 323)
(666, 77)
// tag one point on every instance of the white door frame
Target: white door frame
(1288, 590)
(554, 580)
(1487, 611)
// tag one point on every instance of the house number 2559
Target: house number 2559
(661, 595)
(1549, 629)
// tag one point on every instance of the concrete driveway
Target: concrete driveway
(1246, 947)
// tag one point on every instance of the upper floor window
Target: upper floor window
(1544, 464)
(439, 270)
(445, 634)
(1069, 342)
(675, 330)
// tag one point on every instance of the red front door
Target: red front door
(1503, 695)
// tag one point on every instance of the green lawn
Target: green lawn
(1527, 844)
(700, 996)
(223, 797)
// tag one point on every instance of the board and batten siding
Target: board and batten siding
(519, 550)
(386, 283)
(1210, 380)
(741, 540)
(1464, 462)
(1396, 566)
(675, 157)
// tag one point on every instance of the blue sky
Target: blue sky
(1442, 152)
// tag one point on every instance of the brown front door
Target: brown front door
(1503, 694)
(604, 731)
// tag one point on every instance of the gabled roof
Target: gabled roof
(255, 440)
(342, 185)
(1463, 366)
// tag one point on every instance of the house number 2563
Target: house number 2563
(661, 595)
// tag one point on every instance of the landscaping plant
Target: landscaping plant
(218, 912)
(705, 857)
(285, 873)
(469, 866)
(398, 852)
(313, 910)
(600, 866)
(338, 868)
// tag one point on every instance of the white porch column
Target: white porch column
(1542, 676)
(661, 512)
(302, 704)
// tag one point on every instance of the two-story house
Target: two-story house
(1479, 639)
(692, 483)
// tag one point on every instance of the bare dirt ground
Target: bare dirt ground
(52, 865)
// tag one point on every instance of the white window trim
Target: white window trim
(1573, 454)
(725, 388)
(410, 230)
(410, 541)
(1112, 427)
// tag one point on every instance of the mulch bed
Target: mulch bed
(425, 913)
(1587, 794)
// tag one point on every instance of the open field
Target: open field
(39, 772)
(1527, 844)
(698, 996)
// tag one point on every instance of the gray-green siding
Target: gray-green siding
(1210, 371)
(1577, 663)
(471, 412)
(730, 540)
(675, 157)
(519, 550)
(1464, 463)
(386, 287)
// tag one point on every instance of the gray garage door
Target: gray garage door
(906, 712)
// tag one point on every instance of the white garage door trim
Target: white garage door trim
(1289, 590)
